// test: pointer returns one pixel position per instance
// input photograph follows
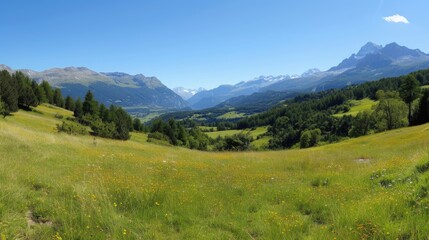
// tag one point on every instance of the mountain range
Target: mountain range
(141, 95)
(371, 62)
(128, 91)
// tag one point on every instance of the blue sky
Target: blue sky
(205, 43)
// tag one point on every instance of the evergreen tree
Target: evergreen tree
(69, 104)
(137, 125)
(3, 110)
(315, 136)
(27, 97)
(39, 92)
(78, 108)
(58, 99)
(422, 113)
(409, 91)
(48, 91)
(90, 106)
(305, 139)
(104, 113)
(122, 124)
(9, 91)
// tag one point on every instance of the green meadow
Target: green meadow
(59, 186)
(358, 106)
(256, 144)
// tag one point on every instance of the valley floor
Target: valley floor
(57, 186)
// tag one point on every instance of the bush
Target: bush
(101, 129)
(3, 110)
(421, 168)
(72, 128)
(236, 142)
(158, 136)
(320, 182)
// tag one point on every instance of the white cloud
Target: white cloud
(396, 19)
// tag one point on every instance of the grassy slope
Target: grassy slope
(231, 115)
(254, 133)
(256, 144)
(358, 106)
(135, 190)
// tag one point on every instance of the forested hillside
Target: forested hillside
(400, 102)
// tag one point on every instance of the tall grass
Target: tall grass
(138, 190)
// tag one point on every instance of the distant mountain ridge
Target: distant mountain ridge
(213, 97)
(129, 91)
(371, 62)
(187, 93)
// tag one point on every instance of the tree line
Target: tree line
(309, 118)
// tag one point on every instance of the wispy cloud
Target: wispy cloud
(396, 19)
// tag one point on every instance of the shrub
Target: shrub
(424, 167)
(101, 129)
(236, 142)
(158, 136)
(72, 128)
(320, 182)
(3, 109)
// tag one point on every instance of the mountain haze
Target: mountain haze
(186, 93)
(213, 97)
(370, 63)
(129, 91)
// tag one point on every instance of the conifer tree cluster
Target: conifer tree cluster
(19, 91)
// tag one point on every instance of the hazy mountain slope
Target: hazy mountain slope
(110, 88)
(186, 93)
(210, 98)
(372, 62)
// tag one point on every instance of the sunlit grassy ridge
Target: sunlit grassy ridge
(82, 188)
(260, 143)
(231, 115)
(254, 133)
(358, 106)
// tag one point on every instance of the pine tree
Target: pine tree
(78, 109)
(39, 92)
(48, 92)
(58, 99)
(69, 105)
(9, 91)
(122, 124)
(422, 113)
(3, 109)
(137, 125)
(90, 106)
(409, 91)
(27, 97)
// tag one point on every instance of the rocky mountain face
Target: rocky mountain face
(128, 91)
(187, 93)
(213, 97)
(372, 62)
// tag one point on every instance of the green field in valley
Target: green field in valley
(231, 115)
(254, 133)
(358, 106)
(59, 186)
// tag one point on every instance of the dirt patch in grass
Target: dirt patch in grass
(363, 160)
(33, 220)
